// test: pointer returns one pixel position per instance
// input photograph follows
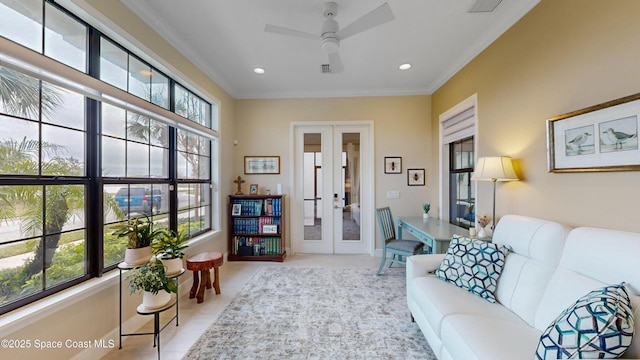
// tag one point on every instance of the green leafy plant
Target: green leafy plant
(170, 244)
(151, 277)
(140, 233)
(426, 207)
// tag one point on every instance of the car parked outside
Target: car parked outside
(139, 199)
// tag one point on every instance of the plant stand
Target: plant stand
(144, 311)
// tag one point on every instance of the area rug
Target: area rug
(316, 313)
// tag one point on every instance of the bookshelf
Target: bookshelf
(257, 227)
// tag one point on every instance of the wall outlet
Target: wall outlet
(393, 194)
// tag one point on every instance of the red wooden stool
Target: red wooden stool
(203, 262)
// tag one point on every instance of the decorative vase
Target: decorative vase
(137, 256)
(154, 301)
(172, 266)
(425, 216)
(482, 233)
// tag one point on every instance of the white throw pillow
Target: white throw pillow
(599, 325)
(473, 265)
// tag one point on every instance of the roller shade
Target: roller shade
(459, 126)
(22, 59)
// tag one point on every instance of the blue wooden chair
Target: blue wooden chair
(396, 247)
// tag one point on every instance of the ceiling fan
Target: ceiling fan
(331, 34)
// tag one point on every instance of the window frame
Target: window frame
(22, 59)
(454, 177)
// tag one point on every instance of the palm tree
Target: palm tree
(22, 95)
(144, 129)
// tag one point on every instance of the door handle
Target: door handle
(337, 207)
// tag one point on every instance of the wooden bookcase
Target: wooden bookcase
(257, 227)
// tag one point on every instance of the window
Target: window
(125, 71)
(461, 194)
(192, 107)
(194, 177)
(43, 187)
(457, 133)
(74, 166)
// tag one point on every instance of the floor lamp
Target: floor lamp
(494, 169)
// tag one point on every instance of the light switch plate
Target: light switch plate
(393, 194)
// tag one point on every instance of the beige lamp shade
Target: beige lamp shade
(494, 168)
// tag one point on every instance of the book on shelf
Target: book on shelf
(256, 246)
(257, 207)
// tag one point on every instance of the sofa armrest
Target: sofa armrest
(420, 265)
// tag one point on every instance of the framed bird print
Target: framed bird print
(603, 137)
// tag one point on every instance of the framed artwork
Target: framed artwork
(262, 164)
(603, 137)
(253, 189)
(269, 229)
(236, 210)
(415, 177)
(392, 165)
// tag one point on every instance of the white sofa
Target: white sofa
(550, 266)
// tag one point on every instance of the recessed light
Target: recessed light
(406, 66)
(259, 71)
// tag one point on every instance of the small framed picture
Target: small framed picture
(236, 210)
(415, 177)
(262, 164)
(392, 165)
(269, 229)
(253, 189)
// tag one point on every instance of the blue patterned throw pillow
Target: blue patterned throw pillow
(599, 325)
(473, 265)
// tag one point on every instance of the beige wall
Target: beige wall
(401, 128)
(562, 56)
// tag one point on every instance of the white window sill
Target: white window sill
(36, 311)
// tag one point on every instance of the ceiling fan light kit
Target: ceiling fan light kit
(331, 34)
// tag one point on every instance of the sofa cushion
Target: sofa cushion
(536, 246)
(593, 258)
(473, 265)
(482, 337)
(437, 299)
(599, 325)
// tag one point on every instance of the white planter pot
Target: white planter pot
(135, 257)
(151, 301)
(172, 266)
(425, 216)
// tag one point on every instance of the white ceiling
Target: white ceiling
(226, 40)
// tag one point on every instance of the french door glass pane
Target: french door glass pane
(312, 185)
(351, 186)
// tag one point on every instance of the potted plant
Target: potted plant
(140, 235)
(425, 210)
(169, 246)
(151, 278)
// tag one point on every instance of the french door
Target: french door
(333, 188)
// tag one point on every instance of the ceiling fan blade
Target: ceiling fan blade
(335, 62)
(284, 31)
(375, 17)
